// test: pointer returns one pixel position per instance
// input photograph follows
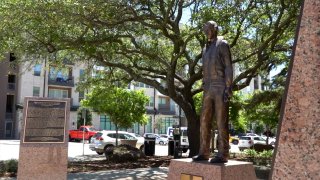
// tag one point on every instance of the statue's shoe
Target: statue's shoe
(200, 158)
(218, 160)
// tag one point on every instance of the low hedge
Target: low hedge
(9, 167)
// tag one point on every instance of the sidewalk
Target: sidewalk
(126, 174)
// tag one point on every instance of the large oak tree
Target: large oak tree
(155, 42)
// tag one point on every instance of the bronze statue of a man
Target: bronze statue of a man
(217, 81)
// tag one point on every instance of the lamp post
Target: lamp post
(84, 123)
(180, 128)
(155, 109)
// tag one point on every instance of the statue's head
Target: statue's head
(210, 29)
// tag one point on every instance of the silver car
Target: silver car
(159, 140)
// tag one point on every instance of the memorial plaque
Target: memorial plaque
(43, 145)
(190, 177)
(45, 121)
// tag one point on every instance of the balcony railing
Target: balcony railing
(61, 81)
(11, 86)
(165, 110)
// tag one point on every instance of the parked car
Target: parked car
(251, 134)
(271, 140)
(234, 140)
(149, 135)
(139, 137)
(159, 140)
(85, 132)
(165, 136)
(247, 142)
(105, 139)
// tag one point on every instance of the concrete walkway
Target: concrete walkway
(126, 174)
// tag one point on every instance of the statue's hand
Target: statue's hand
(227, 94)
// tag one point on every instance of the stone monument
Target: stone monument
(44, 139)
(297, 154)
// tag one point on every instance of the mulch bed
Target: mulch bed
(98, 165)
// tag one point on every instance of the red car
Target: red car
(86, 131)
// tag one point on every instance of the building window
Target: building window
(165, 123)
(162, 100)
(11, 81)
(60, 74)
(148, 126)
(58, 93)
(37, 70)
(9, 129)
(151, 102)
(11, 78)
(106, 124)
(10, 103)
(140, 84)
(81, 95)
(136, 128)
(81, 75)
(12, 57)
(36, 91)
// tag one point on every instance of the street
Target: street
(9, 149)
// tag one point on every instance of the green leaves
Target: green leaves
(124, 107)
(148, 40)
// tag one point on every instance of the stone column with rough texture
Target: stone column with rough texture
(298, 143)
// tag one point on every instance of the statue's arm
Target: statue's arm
(226, 55)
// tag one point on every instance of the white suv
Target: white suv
(104, 139)
(246, 142)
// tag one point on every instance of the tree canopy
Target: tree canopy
(124, 107)
(158, 43)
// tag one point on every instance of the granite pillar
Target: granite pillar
(297, 153)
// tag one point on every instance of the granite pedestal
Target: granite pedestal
(44, 139)
(183, 169)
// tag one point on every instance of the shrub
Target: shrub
(264, 157)
(2, 168)
(250, 153)
(11, 166)
(123, 153)
(266, 154)
(262, 147)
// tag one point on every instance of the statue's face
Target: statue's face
(209, 31)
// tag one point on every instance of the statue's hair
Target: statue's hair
(213, 24)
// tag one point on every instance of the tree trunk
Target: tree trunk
(193, 132)
(268, 130)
